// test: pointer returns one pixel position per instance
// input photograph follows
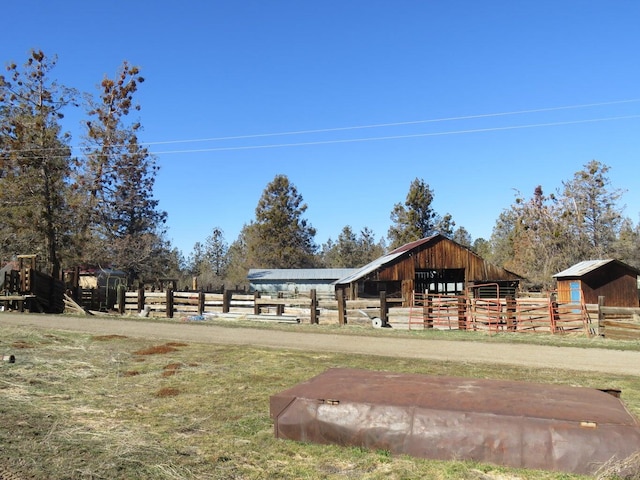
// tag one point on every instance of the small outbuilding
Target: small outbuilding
(296, 280)
(586, 281)
(432, 265)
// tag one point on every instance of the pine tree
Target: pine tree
(34, 162)
(122, 223)
(280, 237)
(416, 218)
(351, 250)
(590, 209)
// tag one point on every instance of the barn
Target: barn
(433, 265)
(586, 281)
(296, 280)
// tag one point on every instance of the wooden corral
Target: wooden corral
(433, 265)
(615, 280)
(25, 288)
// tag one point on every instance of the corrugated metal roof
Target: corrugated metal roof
(370, 267)
(270, 274)
(410, 246)
(582, 268)
(588, 266)
(379, 262)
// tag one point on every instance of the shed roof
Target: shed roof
(581, 269)
(381, 261)
(290, 274)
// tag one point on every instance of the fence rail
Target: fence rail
(618, 322)
(519, 315)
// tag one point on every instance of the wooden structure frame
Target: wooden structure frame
(435, 265)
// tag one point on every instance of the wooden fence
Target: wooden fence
(618, 322)
(518, 315)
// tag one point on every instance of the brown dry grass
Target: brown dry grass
(71, 408)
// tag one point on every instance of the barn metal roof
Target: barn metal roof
(587, 266)
(370, 267)
(379, 262)
(291, 274)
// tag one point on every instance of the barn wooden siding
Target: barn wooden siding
(442, 253)
(397, 271)
(616, 283)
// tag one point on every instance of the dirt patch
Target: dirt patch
(155, 350)
(167, 392)
(171, 369)
(21, 345)
(104, 338)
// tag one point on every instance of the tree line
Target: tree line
(535, 237)
(96, 208)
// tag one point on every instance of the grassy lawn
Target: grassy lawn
(76, 406)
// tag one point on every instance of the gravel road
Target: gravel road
(609, 361)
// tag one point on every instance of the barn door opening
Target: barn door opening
(449, 281)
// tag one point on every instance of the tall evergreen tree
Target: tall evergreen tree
(590, 208)
(462, 236)
(281, 237)
(122, 222)
(351, 250)
(216, 253)
(627, 245)
(34, 162)
(415, 218)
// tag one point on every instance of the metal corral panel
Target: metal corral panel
(517, 424)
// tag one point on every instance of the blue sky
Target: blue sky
(426, 79)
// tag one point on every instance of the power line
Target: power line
(371, 126)
(394, 137)
(396, 124)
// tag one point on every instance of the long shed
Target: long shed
(434, 265)
(586, 281)
(295, 280)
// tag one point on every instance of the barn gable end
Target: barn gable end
(431, 265)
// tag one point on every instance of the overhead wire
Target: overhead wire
(396, 124)
(394, 137)
(371, 126)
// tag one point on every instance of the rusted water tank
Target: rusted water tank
(517, 424)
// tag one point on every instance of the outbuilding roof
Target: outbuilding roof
(587, 266)
(297, 274)
(384, 260)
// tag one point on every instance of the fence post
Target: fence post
(226, 301)
(427, 309)
(280, 307)
(600, 316)
(256, 307)
(384, 309)
(554, 316)
(511, 314)
(122, 293)
(342, 313)
(314, 306)
(462, 314)
(200, 302)
(169, 302)
(140, 299)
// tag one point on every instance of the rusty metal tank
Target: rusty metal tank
(517, 424)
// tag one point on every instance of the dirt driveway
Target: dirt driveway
(610, 361)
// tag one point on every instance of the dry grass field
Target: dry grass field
(81, 406)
